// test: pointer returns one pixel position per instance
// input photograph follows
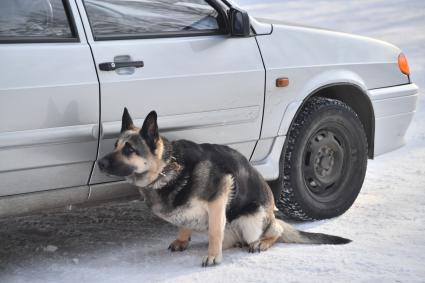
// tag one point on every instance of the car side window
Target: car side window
(34, 19)
(118, 19)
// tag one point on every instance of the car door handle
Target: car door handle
(111, 66)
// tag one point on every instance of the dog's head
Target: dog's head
(138, 151)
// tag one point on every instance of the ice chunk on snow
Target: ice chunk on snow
(50, 248)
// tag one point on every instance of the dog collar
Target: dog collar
(167, 175)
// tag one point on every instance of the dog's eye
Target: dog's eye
(128, 149)
(116, 144)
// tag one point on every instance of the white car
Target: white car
(306, 106)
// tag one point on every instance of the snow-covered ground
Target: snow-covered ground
(124, 242)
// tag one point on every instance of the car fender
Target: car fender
(266, 157)
(316, 83)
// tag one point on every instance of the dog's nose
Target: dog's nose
(103, 163)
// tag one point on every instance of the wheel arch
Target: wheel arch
(352, 95)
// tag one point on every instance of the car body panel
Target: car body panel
(312, 58)
(268, 166)
(394, 109)
(48, 117)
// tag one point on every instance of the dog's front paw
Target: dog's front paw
(210, 260)
(178, 246)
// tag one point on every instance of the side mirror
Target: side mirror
(239, 23)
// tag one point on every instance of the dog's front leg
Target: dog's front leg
(216, 224)
(182, 241)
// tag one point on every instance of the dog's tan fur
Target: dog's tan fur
(217, 222)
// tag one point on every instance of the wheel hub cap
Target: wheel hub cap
(323, 161)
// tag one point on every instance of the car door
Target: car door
(49, 98)
(205, 85)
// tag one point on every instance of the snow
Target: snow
(124, 242)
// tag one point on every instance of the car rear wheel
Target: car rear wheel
(323, 163)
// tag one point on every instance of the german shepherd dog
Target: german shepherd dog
(202, 187)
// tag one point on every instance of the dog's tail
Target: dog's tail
(292, 235)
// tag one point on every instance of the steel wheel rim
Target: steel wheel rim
(324, 161)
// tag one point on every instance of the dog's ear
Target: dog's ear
(127, 122)
(149, 130)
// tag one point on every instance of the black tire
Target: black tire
(323, 162)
